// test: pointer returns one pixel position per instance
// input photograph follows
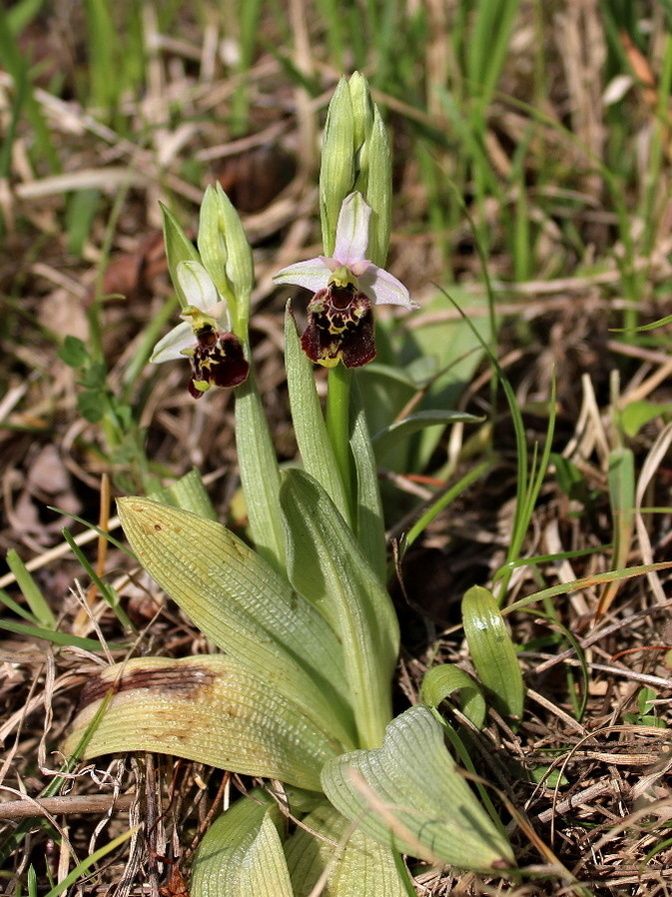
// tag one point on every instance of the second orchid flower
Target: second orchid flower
(346, 287)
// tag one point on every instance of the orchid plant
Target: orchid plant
(308, 637)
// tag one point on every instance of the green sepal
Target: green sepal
(410, 795)
(326, 564)
(179, 248)
(493, 652)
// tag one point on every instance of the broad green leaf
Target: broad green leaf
(241, 853)
(492, 651)
(317, 453)
(259, 473)
(370, 521)
(411, 796)
(327, 565)
(442, 681)
(244, 606)
(210, 709)
(357, 866)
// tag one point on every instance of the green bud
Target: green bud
(179, 248)
(337, 173)
(362, 108)
(227, 255)
(211, 243)
(376, 163)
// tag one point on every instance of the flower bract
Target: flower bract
(345, 287)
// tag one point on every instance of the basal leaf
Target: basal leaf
(492, 651)
(411, 796)
(245, 607)
(210, 709)
(327, 565)
(357, 866)
(241, 853)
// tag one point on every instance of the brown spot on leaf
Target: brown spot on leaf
(182, 680)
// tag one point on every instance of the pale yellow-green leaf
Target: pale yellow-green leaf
(244, 606)
(326, 564)
(410, 795)
(355, 865)
(210, 709)
(492, 651)
(241, 853)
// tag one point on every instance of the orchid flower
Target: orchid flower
(216, 354)
(346, 287)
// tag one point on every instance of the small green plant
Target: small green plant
(301, 691)
(646, 710)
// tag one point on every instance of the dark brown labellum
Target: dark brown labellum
(340, 327)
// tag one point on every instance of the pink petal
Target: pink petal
(384, 289)
(352, 231)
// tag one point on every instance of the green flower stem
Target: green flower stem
(338, 426)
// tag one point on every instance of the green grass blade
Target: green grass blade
(31, 591)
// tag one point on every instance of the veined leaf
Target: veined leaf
(241, 853)
(356, 867)
(326, 565)
(210, 709)
(259, 473)
(492, 651)
(411, 796)
(317, 453)
(245, 607)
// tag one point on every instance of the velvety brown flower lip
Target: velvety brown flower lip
(340, 328)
